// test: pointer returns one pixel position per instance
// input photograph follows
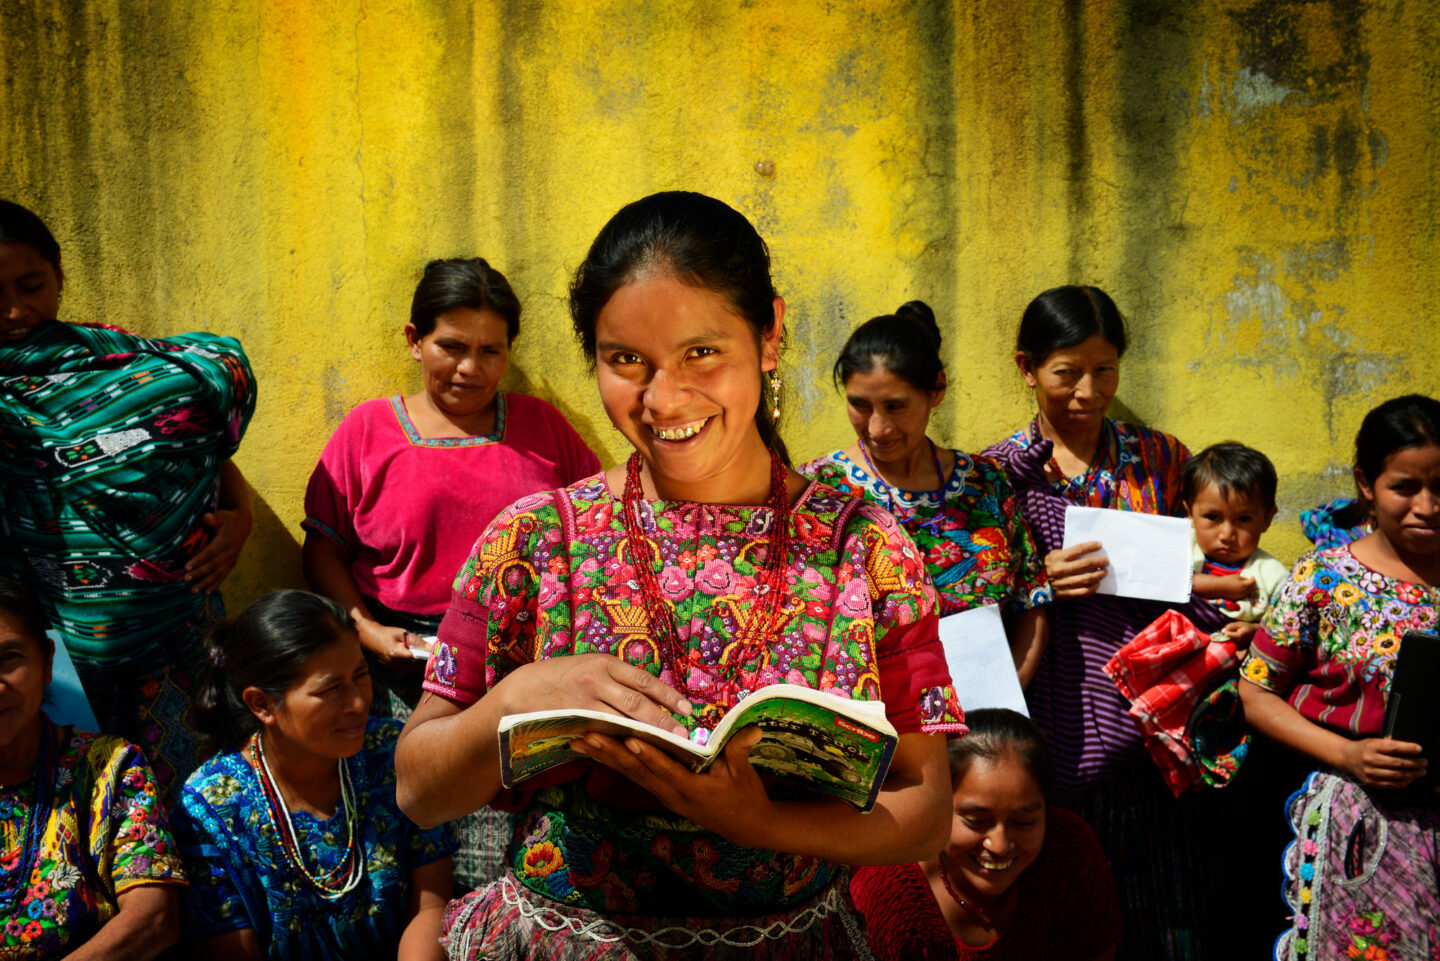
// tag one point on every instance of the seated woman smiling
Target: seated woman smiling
(1018, 879)
(87, 866)
(296, 847)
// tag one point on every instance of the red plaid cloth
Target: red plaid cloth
(1165, 671)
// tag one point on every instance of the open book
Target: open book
(820, 741)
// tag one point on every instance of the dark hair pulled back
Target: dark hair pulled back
(461, 282)
(20, 225)
(996, 733)
(20, 601)
(1062, 317)
(696, 239)
(266, 646)
(905, 343)
(1401, 422)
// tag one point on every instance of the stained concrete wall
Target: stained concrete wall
(1255, 182)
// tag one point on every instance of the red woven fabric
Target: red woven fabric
(1164, 671)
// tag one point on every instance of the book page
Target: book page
(65, 699)
(981, 667)
(1149, 555)
(540, 740)
(811, 743)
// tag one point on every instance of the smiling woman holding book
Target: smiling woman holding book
(666, 590)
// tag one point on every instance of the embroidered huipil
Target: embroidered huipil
(1091, 734)
(105, 835)
(240, 877)
(1328, 645)
(977, 546)
(549, 579)
(1329, 641)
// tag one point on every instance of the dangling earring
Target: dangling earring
(774, 380)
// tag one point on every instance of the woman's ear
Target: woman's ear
(770, 342)
(938, 394)
(412, 337)
(1027, 369)
(259, 703)
(1366, 489)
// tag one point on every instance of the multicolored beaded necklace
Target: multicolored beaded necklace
(772, 582)
(345, 876)
(1078, 487)
(37, 818)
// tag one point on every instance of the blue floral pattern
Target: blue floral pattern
(241, 879)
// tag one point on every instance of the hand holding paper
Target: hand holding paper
(1149, 555)
(421, 651)
(1076, 571)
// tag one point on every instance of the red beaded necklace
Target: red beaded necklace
(772, 581)
(969, 907)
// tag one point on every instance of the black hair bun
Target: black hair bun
(920, 313)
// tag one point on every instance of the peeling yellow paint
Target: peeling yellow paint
(1255, 182)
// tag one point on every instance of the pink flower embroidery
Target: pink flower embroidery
(717, 577)
(854, 600)
(673, 583)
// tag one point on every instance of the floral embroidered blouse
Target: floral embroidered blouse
(106, 834)
(1329, 640)
(549, 578)
(976, 544)
(240, 877)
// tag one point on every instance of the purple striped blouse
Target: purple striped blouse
(1083, 715)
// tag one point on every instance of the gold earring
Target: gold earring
(774, 395)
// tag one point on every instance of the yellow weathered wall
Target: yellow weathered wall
(1254, 182)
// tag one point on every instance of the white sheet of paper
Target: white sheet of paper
(978, 654)
(1149, 555)
(65, 700)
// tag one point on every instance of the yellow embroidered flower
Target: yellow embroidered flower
(1305, 895)
(1303, 572)
(1346, 593)
(543, 859)
(1386, 643)
(1257, 670)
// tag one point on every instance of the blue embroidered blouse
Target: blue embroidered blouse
(241, 879)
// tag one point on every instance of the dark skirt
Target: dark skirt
(1168, 856)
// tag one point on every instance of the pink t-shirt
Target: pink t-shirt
(407, 509)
